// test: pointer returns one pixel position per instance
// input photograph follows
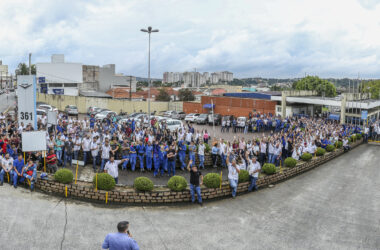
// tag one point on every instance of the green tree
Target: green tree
(163, 96)
(23, 69)
(317, 84)
(372, 87)
(186, 95)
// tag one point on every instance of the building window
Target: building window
(55, 85)
(71, 85)
(278, 109)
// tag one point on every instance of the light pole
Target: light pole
(149, 31)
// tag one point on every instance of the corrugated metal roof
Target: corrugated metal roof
(252, 95)
(92, 93)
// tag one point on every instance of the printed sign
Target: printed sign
(59, 91)
(26, 98)
(364, 114)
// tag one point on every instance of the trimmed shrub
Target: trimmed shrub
(352, 138)
(143, 184)
(269, 168)
(320, 151)
(338, 144)
(64, 176)
(207, 148)
(177, 183)
(306, 157)
(359, 136)
(105, 181)
(243, 176)
(330, 148)
(212, 180)
(290, 162)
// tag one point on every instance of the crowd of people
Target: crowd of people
(109, 146)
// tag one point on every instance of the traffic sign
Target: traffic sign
(26, 98)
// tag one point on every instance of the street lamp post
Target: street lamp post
(149, 31)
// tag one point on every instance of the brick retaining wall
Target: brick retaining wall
(127, 195)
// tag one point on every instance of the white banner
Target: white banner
(33, 141)
(26, 97)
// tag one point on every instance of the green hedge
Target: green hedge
(64, 176)
(212, 180)
(320, 151)
(290, 162)
(105, 181)
(269, 168)
(306, 157)
(143, 184)
(177, 183)
(330, 148)
(243, 176)
(352, 138)
(358, 136)
(338, 144)
(207, 148)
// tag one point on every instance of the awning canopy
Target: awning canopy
(208, 106)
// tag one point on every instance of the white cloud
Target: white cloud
(250, 38)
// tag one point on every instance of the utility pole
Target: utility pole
(130, 88)
(30, 63)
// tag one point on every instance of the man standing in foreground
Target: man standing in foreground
(195, 185)
(112, 168)
(122, 240)
(253, 170)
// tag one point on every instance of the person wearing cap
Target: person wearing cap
(120, 240)
(195, 184)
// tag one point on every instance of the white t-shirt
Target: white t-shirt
(7, 164)
(79, 142)
(232, 172)
(94, 148)
(106, 151)
(112, 168)
(253, 167)
(86, 144)
(201, 149)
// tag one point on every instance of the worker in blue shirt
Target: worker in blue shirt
(140, 153)
(18, 165)
(192, 149)
(30, 172)
(121, 240)
(92, 121)
(148, 155)
(132, 156)
(156, 158)
(182, 153)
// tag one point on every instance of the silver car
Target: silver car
(71, 110)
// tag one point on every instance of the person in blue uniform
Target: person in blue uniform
(18, 165)
(140, 153)
(132, 156)
(148, 155)
(182, 153)
(192, 149)
(156, 158)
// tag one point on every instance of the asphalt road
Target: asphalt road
(335, 206)
(7, 101)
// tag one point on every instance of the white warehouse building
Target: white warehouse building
(59, 77)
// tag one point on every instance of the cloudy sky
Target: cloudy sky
(272, 38)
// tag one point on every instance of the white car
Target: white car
(240, 122)
(47, 107)
(104, 114)
(191, 117)
(173, 125)
(40, 112)
(169, 113)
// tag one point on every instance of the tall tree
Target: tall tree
(323, 87)
(163, 96)
(372, 87)
(186, 95)
(23, 69)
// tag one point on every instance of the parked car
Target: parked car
(214, 118)
(91, 109)
(71, 110)
(240, 122)
(40, 112)
(97, 111)
(104, 114)
(173, 125)
(202, 119)
(178, 115)
(48, 107)
(169, 113)
(191, 117)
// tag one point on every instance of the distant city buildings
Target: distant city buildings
(196, 79)
(5, 77)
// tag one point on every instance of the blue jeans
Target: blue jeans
(274, 160)
(59, 156)
(182, 155)
(76, 153)
(157, 165)
(201, 161)
(224, 157)
(116, 180)
(124, 166)
(253, 183)
(68, 158)
(141, 158)
(94, 162)
(132, 158)
(270, 158)
(192, 157)
(32, 182)
(233, 185)
(104, 161)
(85, 154)
(3, 173)
(171, 166)
(198, 190)
(149, 162)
